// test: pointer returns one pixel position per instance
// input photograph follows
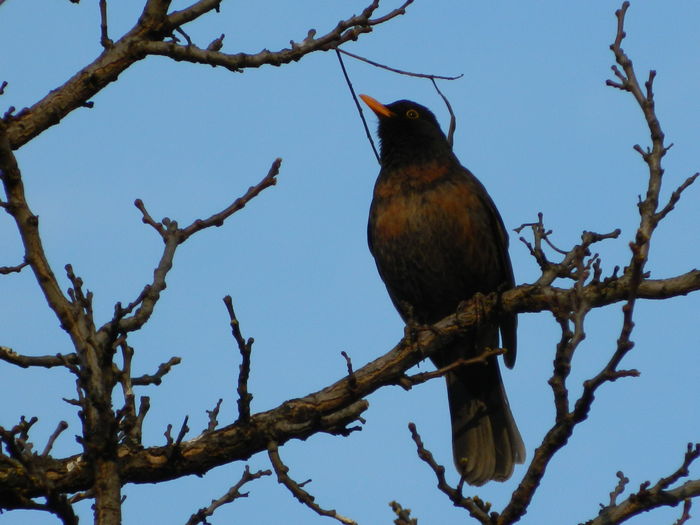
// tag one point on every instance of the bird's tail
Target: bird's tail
(485, 440)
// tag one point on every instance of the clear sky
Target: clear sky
(535, 123)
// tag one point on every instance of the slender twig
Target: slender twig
(231, 495)
(399, 71)
(213, 414)
(476, 508)
(296, 489)
(62, 425)
(4, 270)
(357, 104)
(184, 35)
(147, 219)
(675, 197)
(156, 379)
(453, 120)
(351, 373)
(407, 381)
(218, 218)
(184, 429)
(651, 497)
(104, 35)
(619, 488)
(685, 516)
(245, 347)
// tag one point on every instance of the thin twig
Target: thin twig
(156, 379)
(4, 270)
(409, 381)
(295, 488)
(675, 197)
(62, 425)
(357, 104)
(399, 71)
(218, 218)
(245, 347)
(213, 414)
(231, 495)
(476, 508)
(104, 36)
(453, 120)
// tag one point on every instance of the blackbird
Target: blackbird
(438, 239)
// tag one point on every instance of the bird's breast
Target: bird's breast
(426, 202)
(433, 239)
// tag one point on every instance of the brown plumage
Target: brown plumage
(438, 239)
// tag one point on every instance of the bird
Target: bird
(437, 240)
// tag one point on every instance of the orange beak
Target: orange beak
(380, 109)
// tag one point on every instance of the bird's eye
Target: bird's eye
(412, 114)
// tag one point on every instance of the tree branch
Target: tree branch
(296, 489)
(231, 495)
(331, 409)
(659, 495)
(146, 38)
(46, 361)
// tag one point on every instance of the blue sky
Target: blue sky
(535, 123)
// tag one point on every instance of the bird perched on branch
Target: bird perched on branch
(438, 239)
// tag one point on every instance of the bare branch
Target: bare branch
(147, 219)
(45, 361)
(407, 382)
(155, 379)
(146, 38)
(295, 488)
(403, 516)
(476, 508)
(231, 495)
(331, 409)
(351, 372)
(28, 226)
(453, 119)
(394, 70)
(646, 499)
(357, 104)
(104, 36)
(4, 270)
(218, 218)
(199, 8)
(245, 347)
(62, 425)
(345, 31)
(686, 512)
(675, 197)
(213, 414)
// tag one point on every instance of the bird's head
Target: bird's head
(407, 131)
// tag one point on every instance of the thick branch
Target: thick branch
(337, 405)
(146, 37)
